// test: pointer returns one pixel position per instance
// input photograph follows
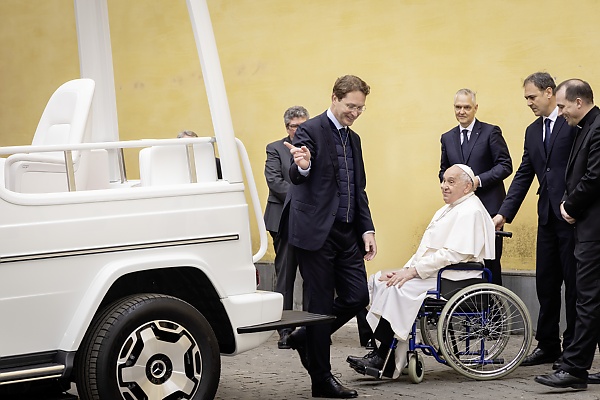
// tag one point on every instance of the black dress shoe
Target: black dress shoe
(371, 360)
(282, 343)
(539, 356)
(333, 389)
(562, 379)
(297, 341)
(556, 365)
(594, 379)
(355, 360)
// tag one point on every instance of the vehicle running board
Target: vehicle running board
(31, 373)
(289, 319)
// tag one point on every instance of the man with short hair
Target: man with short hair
(330, 226)
(548, 142)
(482, 147)
(581, 208)
(398, 295)
(277, 174)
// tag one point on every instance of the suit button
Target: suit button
(338, 194)
(547, 169)
(333, 214)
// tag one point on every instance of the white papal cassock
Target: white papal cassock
(459, 232)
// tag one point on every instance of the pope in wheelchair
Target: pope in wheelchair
(457, 330)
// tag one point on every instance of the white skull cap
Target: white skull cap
(467, 170)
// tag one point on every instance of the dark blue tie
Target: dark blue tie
(548, 134)
(464, 144)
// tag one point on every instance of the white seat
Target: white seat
(65, 120)
(168, 165)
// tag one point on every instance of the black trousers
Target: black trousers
(364, 329)
(286, 266)
(579, 355)
(337, 267)
(555, 264)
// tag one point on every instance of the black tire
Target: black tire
(181, 350)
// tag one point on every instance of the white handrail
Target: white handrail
(128, 144)
(260, 222)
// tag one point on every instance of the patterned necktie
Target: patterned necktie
(464, 144)
(548, 134)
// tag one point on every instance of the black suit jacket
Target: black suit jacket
(277, 174)
(549, 169)
(313, 201)
(582, 198)
(487, 156)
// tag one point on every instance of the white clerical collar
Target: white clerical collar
(466, 196)
(330, 115)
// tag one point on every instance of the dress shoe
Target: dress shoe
(556, 365)
(562, 379)
(594, 379)
(282, 343)
(539, 356)
(297, 341)
(355, 360)
(333, 389)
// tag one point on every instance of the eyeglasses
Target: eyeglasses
(292, 126)
(353, 107)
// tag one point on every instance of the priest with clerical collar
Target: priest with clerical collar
(461, 231)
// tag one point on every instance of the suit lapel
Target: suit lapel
(456, 142)
(327, 136)
(555, 132)
(474, 137)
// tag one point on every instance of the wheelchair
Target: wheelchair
(481, 330)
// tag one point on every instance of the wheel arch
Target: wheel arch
(185, 279)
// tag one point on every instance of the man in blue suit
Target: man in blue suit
(548, 141)
(330, 226)
(277, 167)
(482, 147)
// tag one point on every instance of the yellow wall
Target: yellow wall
(278, 53)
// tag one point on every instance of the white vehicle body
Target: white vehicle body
(78, 237)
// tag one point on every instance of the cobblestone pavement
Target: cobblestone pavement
(267, 373)
(273, 374)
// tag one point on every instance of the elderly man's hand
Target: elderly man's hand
(301, 155)
(400, 277)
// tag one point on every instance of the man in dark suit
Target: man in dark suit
(482, 147)
(277, 174)
(548, 141)
(330, 226)
(581, 207)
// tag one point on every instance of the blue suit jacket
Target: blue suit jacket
(312, 201)
(488, 157)
(549, 169)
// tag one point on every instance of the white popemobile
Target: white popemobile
(130, 289)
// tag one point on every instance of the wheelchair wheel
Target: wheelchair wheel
(416, 368)
(484, 331)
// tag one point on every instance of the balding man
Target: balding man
(581, 208)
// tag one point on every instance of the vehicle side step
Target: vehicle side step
(31, 373)
(289, 319)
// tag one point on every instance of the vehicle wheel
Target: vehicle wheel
(150, 347)
(415, 368)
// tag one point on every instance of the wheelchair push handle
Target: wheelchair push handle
(504, 234)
